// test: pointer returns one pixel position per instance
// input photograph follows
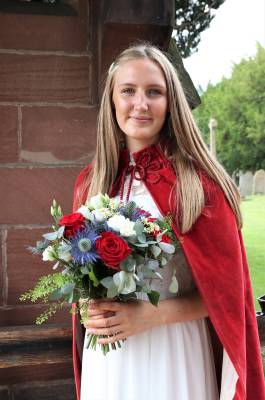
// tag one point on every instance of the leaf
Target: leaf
(167, 247)
(124, 282)
(155, 250)
(50, 236)
(60, 232)
(84, 269)
(93, 278)
(152, 264)
(153, 296)
(141, 238)
(163, 261)
(139, 228)
(68, 288)
(56, 295)
(174, 286)
(107, 282)
(141, 244)
(112, 291)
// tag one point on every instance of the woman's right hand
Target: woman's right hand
(92, 314)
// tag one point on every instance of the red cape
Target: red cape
(215, 252)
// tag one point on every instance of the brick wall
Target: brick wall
(48, 109)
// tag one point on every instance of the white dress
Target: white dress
(168, 362)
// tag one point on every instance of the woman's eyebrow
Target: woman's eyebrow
(149, 85)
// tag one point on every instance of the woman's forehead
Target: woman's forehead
(139, 70)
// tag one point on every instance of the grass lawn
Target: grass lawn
(253, 209)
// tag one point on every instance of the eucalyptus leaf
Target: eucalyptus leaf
(124, 282)
(112, 291)
(167, 247)
(60, 232)
(152, 264)
(141, 244)
(163, 261)
(68, 288)
(174, 286)
(141, 238)
(50, 236)
(56, 295)
(107, 282)
(155, 250)
(139, 228)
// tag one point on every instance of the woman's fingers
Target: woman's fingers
(102, 323)
(100, 314)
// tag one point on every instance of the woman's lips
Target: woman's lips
(140, 120)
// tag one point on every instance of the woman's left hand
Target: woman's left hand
(127, 319)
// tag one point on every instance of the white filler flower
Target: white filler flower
(98, 201)
(49, 254)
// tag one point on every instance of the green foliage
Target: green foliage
(43, 289)
(253, 209)
(192, 18)
(238, 105)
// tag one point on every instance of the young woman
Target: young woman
(149, 150)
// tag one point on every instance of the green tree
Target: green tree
(238, 104)
(192, 18)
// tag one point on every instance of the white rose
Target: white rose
(127, 228)
(116, 222)
(49, 254)
(85, 212)
(122, 225)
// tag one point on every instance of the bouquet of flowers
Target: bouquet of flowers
(107, 249)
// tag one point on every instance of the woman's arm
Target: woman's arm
(122, 320)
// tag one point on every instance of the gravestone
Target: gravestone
(245, 183)
(259, 182)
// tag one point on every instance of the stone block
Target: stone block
(42, 32)
(56, 134)
(8, 134)
(23, 268)
(28, 193)
(45, 78)
(2, 272)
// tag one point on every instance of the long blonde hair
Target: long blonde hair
(181, 139)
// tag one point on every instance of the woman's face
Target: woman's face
(140, 101)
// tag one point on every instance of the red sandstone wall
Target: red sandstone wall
(48, 94)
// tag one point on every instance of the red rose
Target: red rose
(165, 238)
(112, 249)
(73, 223)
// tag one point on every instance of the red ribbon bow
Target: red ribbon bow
(146, 168)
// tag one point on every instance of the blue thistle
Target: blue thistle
(83, 246)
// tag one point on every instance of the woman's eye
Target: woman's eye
(128, 91)
(154, 92)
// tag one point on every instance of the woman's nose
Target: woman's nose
(140, 101)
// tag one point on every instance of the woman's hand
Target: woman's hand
(119, 320)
